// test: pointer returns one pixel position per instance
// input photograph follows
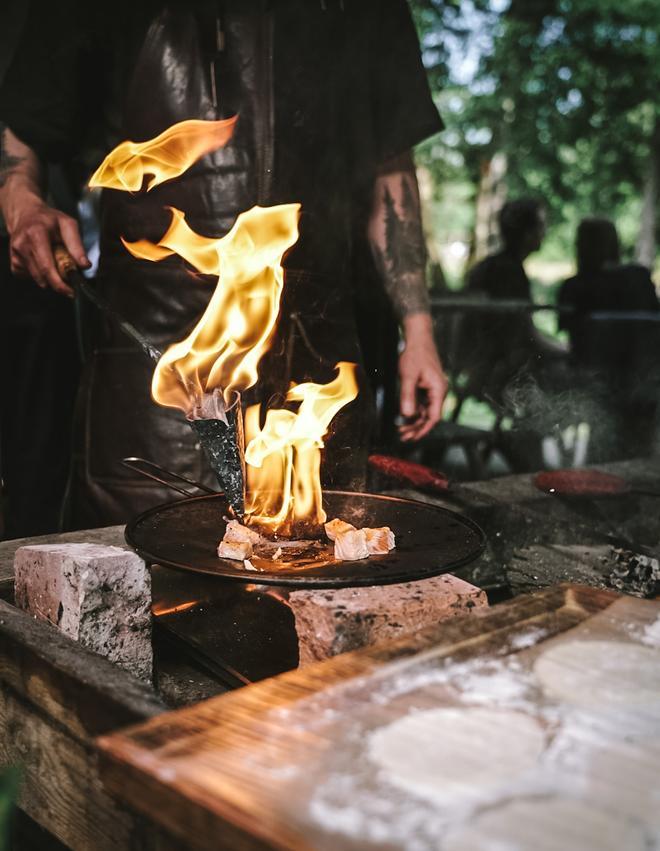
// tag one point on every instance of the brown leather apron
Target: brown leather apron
(173, 79)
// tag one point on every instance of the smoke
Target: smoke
(561, 408)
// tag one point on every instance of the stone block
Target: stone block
(329, 622)
(98, 595)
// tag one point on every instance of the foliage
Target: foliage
(566, 88)
(9, 781)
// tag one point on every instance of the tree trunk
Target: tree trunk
(491, 196)
(646, 240)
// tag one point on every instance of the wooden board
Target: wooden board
(55, 696)
(81, 690)
(256, 763)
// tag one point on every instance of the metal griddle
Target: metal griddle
(430, 540)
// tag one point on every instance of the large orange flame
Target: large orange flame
(224, 348)
(165, 157)
(222, 353)
(284, 457)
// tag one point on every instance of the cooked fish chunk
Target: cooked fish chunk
(237, 532)
(336, 527)
(380, 541)
(351, 545)
(238, 550)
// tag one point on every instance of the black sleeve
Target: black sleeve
(403, 110)
(42, 97)
(647, 298)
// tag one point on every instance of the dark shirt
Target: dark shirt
(495, 346)
(350, 91)
(501, 276)
(626, 288)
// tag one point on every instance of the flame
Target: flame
(222, 353)
(165, 157)
(158, 609)
(224, 348)
(284, 457)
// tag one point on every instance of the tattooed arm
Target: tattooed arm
(397, 242)
(34, 227)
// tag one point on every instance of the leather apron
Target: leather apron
(177, 76)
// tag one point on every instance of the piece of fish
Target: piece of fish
(237, 550)
(336, 527)
(380, 541)
(351, 545)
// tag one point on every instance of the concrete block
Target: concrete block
(97, 595)
(333, 622)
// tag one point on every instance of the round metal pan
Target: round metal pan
(429, 540)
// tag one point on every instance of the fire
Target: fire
(224, 348)
(284, 457)
(165, 157)
(222, 353)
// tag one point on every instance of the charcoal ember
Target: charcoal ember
(635, 574)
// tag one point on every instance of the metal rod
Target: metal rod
(133, 463)
(71, 274)
(465, 304)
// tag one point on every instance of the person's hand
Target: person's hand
(34, 230)
(423, 383)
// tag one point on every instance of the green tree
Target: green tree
(567, 90)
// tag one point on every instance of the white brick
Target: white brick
(97, 595)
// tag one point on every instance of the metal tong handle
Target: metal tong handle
(68, 269)
(136, 464)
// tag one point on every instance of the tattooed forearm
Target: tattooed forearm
(9, 162)
(397, 239)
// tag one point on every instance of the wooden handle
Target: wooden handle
(65, 263)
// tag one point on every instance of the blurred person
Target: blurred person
(602, 283)
(505, 360)
(497, 346)
(331, 97)
(615, 356)
(39, 365)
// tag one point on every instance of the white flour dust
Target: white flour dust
(547, 825)
(651, 634)
(600, 673)
(447, 753)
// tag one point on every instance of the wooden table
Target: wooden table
(282, 764)
(55, 697)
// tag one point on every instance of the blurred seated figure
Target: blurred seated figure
(504, 343)
(615, 342)
(501, 352)
(602, 285)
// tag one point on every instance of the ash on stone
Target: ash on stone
(635, 574)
